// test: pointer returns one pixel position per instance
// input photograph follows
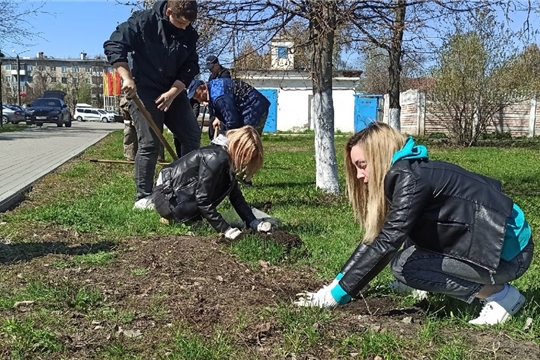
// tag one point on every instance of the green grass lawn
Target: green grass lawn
(97, 199)
(12, 127)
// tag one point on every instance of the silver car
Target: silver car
(12, 115)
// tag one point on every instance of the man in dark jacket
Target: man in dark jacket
(234, 102)
(162, 43)
(217, 71)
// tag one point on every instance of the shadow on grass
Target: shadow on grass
(444, 307)
(21, 252)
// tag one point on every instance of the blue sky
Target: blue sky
(72, 27)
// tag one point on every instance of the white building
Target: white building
(291, 93)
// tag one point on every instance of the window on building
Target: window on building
(29, 68)
(75, 69)
(53, 68)
(75, 81)
(282, 52)
(41, 68)
(88, 81)
(88, 68)
(64, 69)
(8, 67)
(29, 79)
(53, 79)
(64, 80)
(8, 78)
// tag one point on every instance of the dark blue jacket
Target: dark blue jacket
(236, 103)
(162, 53)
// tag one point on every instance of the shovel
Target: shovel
(154, 127)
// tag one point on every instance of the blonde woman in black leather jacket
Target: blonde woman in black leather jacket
(193, 186)
(461, 235)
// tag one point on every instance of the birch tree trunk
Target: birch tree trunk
(394, 113)
(322, 28)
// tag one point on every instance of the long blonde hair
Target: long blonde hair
(246, 151)
(379, 142)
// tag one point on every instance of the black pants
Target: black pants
(182, 123)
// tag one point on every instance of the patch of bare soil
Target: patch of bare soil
(158, 285)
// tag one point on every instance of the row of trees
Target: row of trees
(479, 72)
(390, 27)
(480, 69)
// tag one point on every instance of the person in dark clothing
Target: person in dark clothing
(217, 71)
(196, 107)
(234, 102)
(162, 43)
(461, 236)
(193, 186)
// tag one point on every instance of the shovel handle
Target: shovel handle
(154, 127)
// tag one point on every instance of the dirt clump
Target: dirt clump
(287, 240)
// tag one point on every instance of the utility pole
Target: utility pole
(1, 88)
(19, 76)
(18, 81)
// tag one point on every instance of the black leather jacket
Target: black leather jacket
(196, 184)
(437, 206)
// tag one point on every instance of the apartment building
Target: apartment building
(37, 74)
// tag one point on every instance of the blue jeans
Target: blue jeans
(182, 123)
(439, 273)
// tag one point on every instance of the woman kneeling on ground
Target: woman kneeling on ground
(193, 186)
(461, 235)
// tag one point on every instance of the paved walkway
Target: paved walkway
(26, 156)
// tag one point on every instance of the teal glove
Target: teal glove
(329, 297)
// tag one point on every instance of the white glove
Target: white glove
(322, 298)
(265, 227)
(262, 226)
(232, 233)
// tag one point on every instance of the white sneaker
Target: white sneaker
(144, 204)
(495, 312)
(401, 288)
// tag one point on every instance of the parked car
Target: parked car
(12, 114)
(106, 116)
(91, 114)
(116, 116)
(50, 109)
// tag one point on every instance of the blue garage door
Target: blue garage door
(365, 110)
(271, 121)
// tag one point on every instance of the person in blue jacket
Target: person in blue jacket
(461, 236)
(234, 103)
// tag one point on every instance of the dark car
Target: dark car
(49, 109)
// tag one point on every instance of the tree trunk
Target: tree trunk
(395, 53)
(322, 28)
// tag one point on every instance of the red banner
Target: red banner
(112, 84)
